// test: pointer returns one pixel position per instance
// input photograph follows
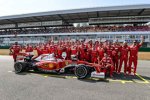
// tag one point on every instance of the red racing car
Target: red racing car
(48, 63)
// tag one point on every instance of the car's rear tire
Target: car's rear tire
(81, 71)
(19, 67)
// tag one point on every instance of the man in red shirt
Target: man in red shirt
(90, 44)
(97, 44)
(39, 49)
(14, 50)
(134, 54)
(109, 49)
(44, 48)
(101, 51)
(59, 51)
(124, 57)
(52, 48)
(105, 44)
(94, 54)
(68, 51)
(82, 51)
(29, 49)
(74, 50)
(115, 54)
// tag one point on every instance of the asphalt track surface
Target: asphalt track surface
(39, 86)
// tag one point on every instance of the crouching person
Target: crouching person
(107, 64)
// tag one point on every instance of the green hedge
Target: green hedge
(144, 49)
(4, 47)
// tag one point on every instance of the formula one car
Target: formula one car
(49, 63)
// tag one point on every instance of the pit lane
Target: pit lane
(39, 86)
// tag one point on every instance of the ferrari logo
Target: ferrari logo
(51, 65)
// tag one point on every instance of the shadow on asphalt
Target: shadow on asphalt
(145, 77)
(116, 77)
(94, 81)
(23, 73)
(129, 77)
(125, 77)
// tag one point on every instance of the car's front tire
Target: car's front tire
(19, 67)
(81, 71)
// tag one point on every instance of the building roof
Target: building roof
(78, 15)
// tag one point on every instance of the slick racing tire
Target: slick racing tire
(19, 67)
(81, 71)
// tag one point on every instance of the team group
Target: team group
(109, 54)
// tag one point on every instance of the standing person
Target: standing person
(90, 44)
(82, 51)
(105, 44)
(97, 44)
(59, 51)
(52, 48)
(94, 54)
(14, 50)
(89, 51)
(123, 57)
(101, 51)
(134, 54)
(47, 48)
(29, 49)
(109, 49)
(74, 50)
(68, 51)
(38, 48)
(115, 55)
(44, 50)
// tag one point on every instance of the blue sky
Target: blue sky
(13, 7)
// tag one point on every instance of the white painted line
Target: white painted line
(10, 71)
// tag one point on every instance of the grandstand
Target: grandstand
(127, 22)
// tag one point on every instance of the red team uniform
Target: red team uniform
(101, 52)
(74, 51)
(82, 52)
(109, 50)
(15, 50)
(107, 63)
(39, 50)
(44, 50)
(115, 56)
(29, 49)
(90, 53)
(68, 51)
(59, 52)
(133, 57)
(123, 58)
(94, 55)
(52, 49)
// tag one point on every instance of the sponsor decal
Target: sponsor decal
(66, 62)
(45, 65)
